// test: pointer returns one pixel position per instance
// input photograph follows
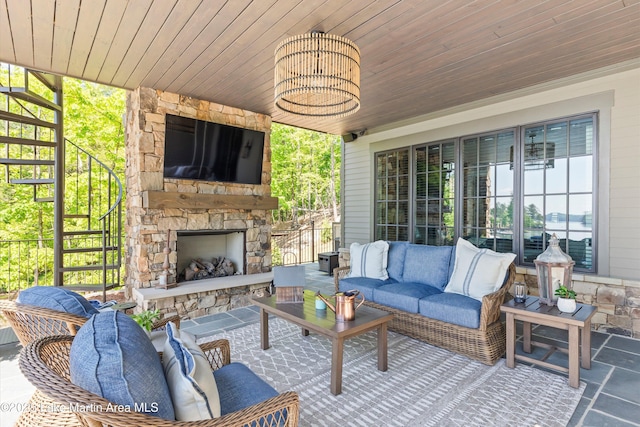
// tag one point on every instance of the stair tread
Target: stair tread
(93, 249)
(27, 162)
(32, 181)
(17, 118)
(90, 268)
(26, 141)
(36, 99)
(82, 232)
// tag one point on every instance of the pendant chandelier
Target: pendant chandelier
(317, 75)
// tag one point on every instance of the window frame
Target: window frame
(518, 184)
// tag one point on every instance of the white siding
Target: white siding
(357, 195)
(613, 92)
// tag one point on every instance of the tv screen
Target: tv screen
(207, 151)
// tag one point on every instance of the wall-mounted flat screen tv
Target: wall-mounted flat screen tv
(207, 151)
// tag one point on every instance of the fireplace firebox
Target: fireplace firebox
(204, 254)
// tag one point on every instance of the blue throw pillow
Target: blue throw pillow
(427, 264)
(113, 357)
(57, 298)
(395, 262)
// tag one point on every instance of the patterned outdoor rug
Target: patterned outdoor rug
(424, 385)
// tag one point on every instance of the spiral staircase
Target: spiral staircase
(86, 194)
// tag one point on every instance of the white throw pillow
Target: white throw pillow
(477, 272)
(193, 388)
(369, 260)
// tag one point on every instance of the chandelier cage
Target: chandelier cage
(317, 75)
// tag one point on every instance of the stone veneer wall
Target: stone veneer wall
(618, 300)
(198, 304)
(146, 229)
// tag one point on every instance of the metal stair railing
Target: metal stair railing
(92, 238)
(87, 255)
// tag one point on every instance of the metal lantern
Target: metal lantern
(554, 268)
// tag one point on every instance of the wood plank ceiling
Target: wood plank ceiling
(418, 56)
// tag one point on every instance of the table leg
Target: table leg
(511, 340)
(586, 345)
(382, 347)
(526, 337)
(264, 329)
(305, 332)
(574, 356)
(336, 366)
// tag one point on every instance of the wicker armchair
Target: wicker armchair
(31, 323)
(45, 363)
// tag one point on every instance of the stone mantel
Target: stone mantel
(175, 200)
(205, 285)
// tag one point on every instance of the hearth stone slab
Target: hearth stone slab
(201, 297)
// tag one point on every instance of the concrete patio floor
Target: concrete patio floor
(611, 398)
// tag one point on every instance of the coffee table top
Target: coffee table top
(324, 321)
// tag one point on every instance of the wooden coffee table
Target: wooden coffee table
(323, 322)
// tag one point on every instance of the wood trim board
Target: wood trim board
(169, 199)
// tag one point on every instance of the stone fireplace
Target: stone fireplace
(161, 211)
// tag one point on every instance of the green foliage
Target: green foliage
(146, 318)
(326, 232)
(302, 170)
(276, 253)
(533, 217)
(93, 119)
(564, 292)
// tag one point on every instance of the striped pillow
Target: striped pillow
(191, 382)
(369, 260)
(477, 272)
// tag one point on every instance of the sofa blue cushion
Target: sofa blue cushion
(427, 264)
(113, 357)
(452, 308)
(403, 296)
(57, 298)
(395, 264)
(239, 387)
(364, 284)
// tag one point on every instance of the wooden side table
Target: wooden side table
(577, 323)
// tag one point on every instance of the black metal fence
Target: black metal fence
(26, 263)
(303, 245)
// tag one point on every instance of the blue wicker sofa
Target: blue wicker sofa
(433, 299)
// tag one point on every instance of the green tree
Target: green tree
(533, 217)
(93, 119)
(305, 171)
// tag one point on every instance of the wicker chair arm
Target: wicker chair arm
(30, 322)
(491, 303)
(161, 324)
(218, 353)
(339, 273)
(38, 358)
